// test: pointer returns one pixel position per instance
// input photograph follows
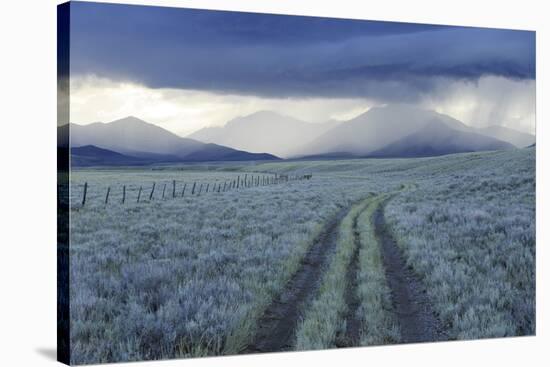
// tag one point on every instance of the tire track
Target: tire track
(277, 326)
(353, 322)
(417, 320)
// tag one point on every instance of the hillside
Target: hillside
(375, 129)
(437, 139)
(136, 138)
(90, 155)
(511, 136)
(264, 131)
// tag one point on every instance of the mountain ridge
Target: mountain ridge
(269, 131)
(131, 136)
(436, 139)
(391, 130)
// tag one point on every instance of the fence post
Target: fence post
(207, 186)
(238, 180)
(84, 195)
(193, 190)
(200, 190)
(107, 196)
(139, 193)
(173, 188)
(219, 187)
(183, 191)
(123, 193)
(224, 185)
(163, 191)
(152, 191)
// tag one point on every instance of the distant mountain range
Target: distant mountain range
(403, 131)
(90, 155)
(390, 131)
(518, 139)
(436, 139)
(395, 130)
(265, 131)
(131, 141)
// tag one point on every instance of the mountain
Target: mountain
(264, 131)
(377, 128)
(519, 139)
(437, 138)
(90, 155)
(133, 137)
(214, 152)
(129, 135)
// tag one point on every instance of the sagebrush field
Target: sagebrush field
(217, 273)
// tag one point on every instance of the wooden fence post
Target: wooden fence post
(183, 191)
(219, 187)
(152, 191)
(207, 186)
(163, 191)
(200, 190)
(139, 194)
(123, 194)
(173, 188)
(238, 180)
(193, 190)
(85, 192)
(107, 195)
(224, 185)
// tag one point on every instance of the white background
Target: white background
(28, 179)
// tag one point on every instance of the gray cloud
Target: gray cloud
(281, 56)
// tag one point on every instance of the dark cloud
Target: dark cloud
(272, 55)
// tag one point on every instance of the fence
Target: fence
(179, 190)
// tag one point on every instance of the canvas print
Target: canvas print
(235, 183)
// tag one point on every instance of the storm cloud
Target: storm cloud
(289, 56)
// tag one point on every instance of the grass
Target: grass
(470, 235)
(324, 319)
(187, 277)
(190, 276)
(324, 324)
(379, 324)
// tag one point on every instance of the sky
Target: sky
(185, 69)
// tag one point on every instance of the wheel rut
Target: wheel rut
(417, 320)
(352, 332)
(277, 326)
